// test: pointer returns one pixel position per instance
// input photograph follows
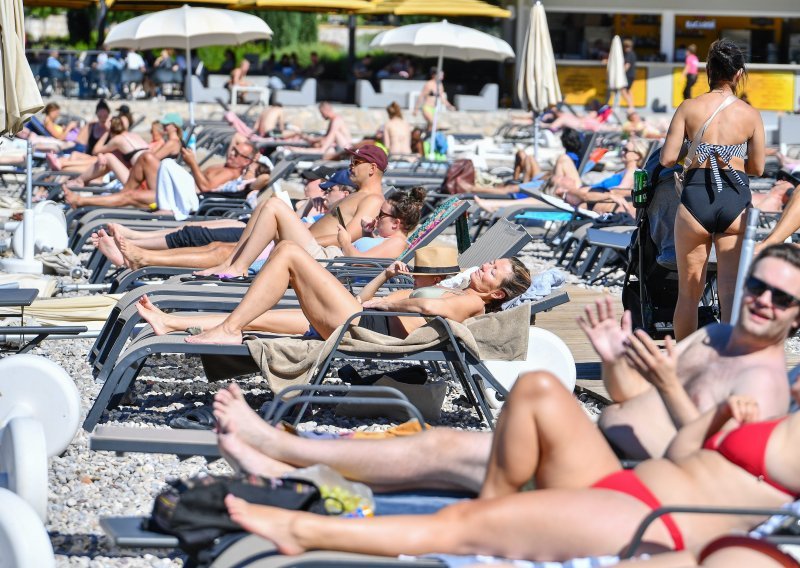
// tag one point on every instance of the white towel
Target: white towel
(175, 190)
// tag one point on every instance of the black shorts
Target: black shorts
(378, 324)
(196, 236)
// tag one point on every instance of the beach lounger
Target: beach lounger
(502, 241)
(18, 299)
(463, 361)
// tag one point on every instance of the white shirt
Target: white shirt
(134, 61)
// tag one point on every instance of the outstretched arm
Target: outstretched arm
(456, 308)
(788, 223)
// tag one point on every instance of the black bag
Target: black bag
(194, 510)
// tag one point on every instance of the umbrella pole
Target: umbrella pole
(189, 94)
(439, 63)
(535, 136)
(745, 259)
(27, 264)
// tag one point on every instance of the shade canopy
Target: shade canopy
(443, 39)
(537, 84)
(21, 98)
(446, 8)
(325, 6)
(616, 66)
(188, 28)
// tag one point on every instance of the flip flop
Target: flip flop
(236, 279)
(199, 278)
(198, 418)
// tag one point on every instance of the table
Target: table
(263, 94)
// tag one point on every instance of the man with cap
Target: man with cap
(273, 220)
(175, 190)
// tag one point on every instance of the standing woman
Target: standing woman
(716, 188)
(432, 90)
(690, 70)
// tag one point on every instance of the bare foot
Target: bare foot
(109, 248)
(217, 335)
(155, 317)
(244, 457)
(234, 416)
(271, 523)
(219, 269)
(117, 230)
(133, 255)
(53, 161)
(71, 198)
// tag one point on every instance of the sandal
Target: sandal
(197, 418)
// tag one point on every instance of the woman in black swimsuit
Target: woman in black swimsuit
(716, 190)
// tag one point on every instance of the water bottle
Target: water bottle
(639, 193)
(192, 143)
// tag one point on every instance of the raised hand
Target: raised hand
(659, 367)
(605, 333)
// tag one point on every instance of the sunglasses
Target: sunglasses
(236, 152)
(356, 162)
(382, 214)
(339, 187)
(780, 298)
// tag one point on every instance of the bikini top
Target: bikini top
(429, 292)
(725, 154)
(128, 156)
(746, 446)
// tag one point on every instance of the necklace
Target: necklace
(721, 91)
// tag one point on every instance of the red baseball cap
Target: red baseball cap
(371, 154)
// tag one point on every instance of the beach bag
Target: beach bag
(687, 161)
(460, 177)
(193, 510)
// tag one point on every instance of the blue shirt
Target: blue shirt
(610, 182)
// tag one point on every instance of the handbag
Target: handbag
(687, 161)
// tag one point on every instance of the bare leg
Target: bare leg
(600, 523)
(199, 257)
(138, 198)
(692, 247)
(386, 465)
(287, 321)
(729, 247)
(534, 418)
(144, 170)
(323, 299)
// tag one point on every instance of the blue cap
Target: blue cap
(342, 177)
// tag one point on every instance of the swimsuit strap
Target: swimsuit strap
(725, 154)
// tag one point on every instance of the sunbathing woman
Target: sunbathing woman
(585, 504)
(716, 190)
(325, 303)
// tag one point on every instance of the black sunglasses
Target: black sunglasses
(341, 188)
(780, 298)
(381, 215)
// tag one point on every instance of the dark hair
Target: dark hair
(725, 59)
(51, 106)
(116, 126)
(783, 251)
(407, 206)
(102, 105)
(432, 72)
(572, 140)
(513, 286)
(126, 114)
(394, 110)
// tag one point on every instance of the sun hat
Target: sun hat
(433, 261)
(172, 118)
(342, 177)
(370, 154)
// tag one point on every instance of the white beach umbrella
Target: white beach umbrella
(21, 100)
(537, 84)
(616, 69)
(188, 28)
(440, 40)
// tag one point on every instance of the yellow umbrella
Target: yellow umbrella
(156, 5)
(21, 98)
(305, 5)
(452, 8)
(73, 4)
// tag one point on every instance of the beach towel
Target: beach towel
(291, 361)
(175, 190)
(91, 311)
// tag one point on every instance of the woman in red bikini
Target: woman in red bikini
(585, 504)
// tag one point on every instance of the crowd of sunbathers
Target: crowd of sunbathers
(707, 417)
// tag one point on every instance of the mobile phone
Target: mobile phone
(339, 216)
(183, 143)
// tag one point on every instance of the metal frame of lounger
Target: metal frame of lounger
(503, 240)
(22, 298)
(604, 246)
(129, 277)
(461, 361)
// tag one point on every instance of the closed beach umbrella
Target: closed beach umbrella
(440, 40)
(537, 84)
(21, 98)
(188, 28)
(616, 69)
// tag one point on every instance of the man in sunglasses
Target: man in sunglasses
(658, 391)
(176, 189)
